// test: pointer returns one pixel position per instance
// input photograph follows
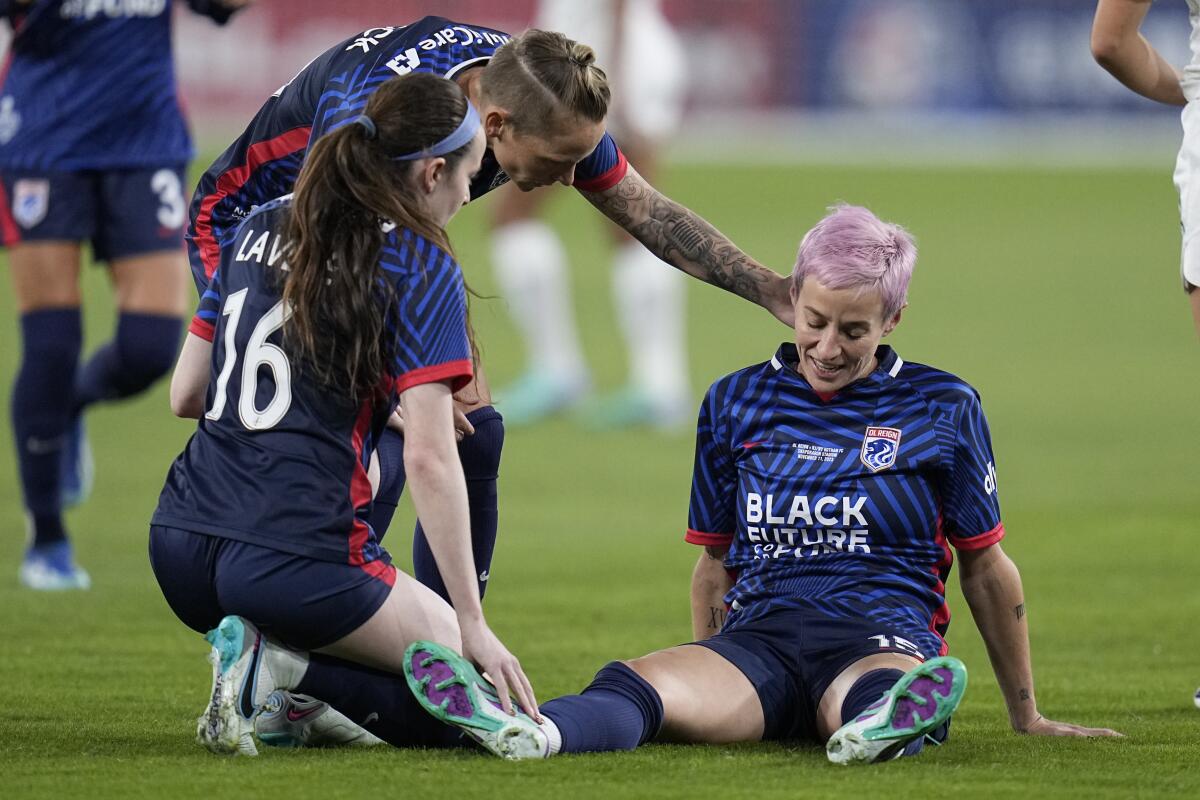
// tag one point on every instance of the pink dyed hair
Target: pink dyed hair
(852, 248)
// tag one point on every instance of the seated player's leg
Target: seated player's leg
(531, 269)
(884, 706)
(43, 218)
(686, 693)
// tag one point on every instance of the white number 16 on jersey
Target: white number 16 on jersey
(259, 353)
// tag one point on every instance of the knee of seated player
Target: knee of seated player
(705, 698)
(829, 710)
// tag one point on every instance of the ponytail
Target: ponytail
(341, 324)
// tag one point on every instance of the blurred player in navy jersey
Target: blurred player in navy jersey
(328, 308)
(644, 60)
(543, 101)
(1119, 47)
(830, 483)
(93, 148)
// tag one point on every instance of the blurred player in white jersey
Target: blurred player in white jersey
(1120, 48)
(646, 67)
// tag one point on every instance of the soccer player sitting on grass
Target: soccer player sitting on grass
(830, 482)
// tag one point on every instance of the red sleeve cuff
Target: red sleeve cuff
(202, 328)
(708, 539)
(607, 180)
(459, 373)
(978, 542)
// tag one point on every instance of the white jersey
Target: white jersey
(647, 67)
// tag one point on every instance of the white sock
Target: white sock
(553, 735)
(651, 307)
(531, 268)
(283, 666)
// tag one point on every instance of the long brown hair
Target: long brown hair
(349, 186)
(540, 74)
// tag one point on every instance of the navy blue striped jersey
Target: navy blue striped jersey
(845, 504)
(91, 85)
(332, 91)
(279, 459)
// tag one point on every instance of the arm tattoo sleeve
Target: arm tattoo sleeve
(683, 239)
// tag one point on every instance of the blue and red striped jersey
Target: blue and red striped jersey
(279, 459)
(91, 85)
(845, 505)
(330, 92)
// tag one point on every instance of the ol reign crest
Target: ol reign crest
(879, 448)
(31, 200)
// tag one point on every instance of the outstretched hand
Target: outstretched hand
(1048, 727)
(502, 668)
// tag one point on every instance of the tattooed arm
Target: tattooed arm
(992, 586)
(687, 242)
(710, 582)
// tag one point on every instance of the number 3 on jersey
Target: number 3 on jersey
(259, 353)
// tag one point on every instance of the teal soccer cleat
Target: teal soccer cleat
(453, 691)
(917, 704)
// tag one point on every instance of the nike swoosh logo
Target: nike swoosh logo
(44, 447)
(246, 698)
(296, 716)
(483, 576)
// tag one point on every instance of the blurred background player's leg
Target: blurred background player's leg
(531, 270)
(44, 218)
(46, 282)
(645, 65)
(141, 236)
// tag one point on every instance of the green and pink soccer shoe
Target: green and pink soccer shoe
(452, 690)
(917, 704)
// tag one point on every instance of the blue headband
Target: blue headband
(464, 133)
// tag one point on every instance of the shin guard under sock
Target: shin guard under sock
(619, 710)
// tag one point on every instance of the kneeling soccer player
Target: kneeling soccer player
(828, 484)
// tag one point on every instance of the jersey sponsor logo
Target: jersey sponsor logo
(369, 38)
(113, 9)
(830, 525)
(879, 448)
(463, 37)
(405, 62)
(10, 120)
(989, 480)
(31, 201)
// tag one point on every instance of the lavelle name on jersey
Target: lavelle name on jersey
(113, 9)
(843, 528)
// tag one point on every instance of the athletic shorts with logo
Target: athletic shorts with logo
(122, 213)
(792, 655)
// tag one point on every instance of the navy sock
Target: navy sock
(41, 412)
(866, 690)
(390, 451)
(480, 456)
(141, 352)
(618, 711)
(379, 701)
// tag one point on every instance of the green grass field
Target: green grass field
(1053, 292)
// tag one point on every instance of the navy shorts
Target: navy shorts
(301, 601)
(126, 212)
(791, 656)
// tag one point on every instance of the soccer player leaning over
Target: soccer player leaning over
(829, 483)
